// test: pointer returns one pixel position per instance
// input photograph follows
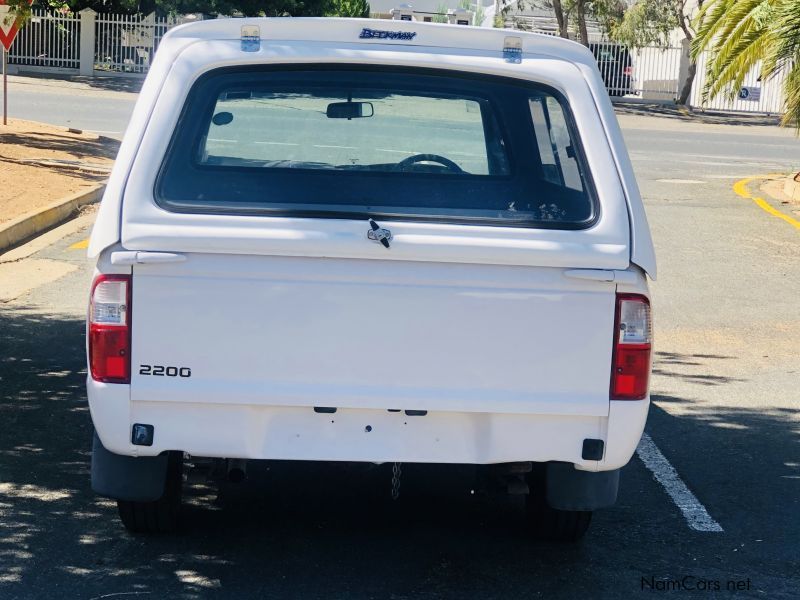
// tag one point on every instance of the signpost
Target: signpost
(753, 94)
(10, 22)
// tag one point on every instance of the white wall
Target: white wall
(384, 6)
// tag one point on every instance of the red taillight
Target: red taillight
(109, 329)
(630, 369)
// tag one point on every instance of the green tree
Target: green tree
(441, 13)
(350, 8)
(477, 8)
(21, 9)
(652, 22)
(571, 15)
(744, 34)
(608, 13)
(249, 8)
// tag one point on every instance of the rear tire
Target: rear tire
(547, 523)
(157, 516)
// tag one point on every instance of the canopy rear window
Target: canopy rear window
(357, 143)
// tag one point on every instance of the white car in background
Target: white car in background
(370, 241)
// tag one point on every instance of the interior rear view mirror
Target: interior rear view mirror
(349, 110)
(222, 118)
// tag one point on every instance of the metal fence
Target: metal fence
(755, 94)
(126, 43)
(657, 72)
(48, 40)
(648, 73)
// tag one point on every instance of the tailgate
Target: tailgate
(280, 331)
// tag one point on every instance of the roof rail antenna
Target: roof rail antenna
(512, 50)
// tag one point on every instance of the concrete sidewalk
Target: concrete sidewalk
(695, 115)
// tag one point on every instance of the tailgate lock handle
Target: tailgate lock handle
(602, 275)
(378, 234)
(128, 257)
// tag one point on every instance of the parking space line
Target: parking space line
(740, 187)
(693, 511)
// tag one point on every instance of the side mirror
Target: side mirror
(349, 110)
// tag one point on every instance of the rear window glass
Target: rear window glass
(353, 130)
(364, 143)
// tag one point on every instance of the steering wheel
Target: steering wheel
(418, 158)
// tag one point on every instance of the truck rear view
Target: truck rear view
(419, 247)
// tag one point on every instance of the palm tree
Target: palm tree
(740, 34)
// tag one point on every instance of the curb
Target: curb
(29, 225)
(741, 189)
(792, 187)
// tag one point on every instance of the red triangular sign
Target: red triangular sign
(9, 26)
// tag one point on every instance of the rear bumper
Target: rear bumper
(142, 479)
(364, 435)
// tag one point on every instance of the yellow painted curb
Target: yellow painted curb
(82, 245)
(29, 225)
(740, 187)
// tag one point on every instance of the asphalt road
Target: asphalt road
(102, 105)
(725, 415)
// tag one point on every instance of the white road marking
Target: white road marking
(342, 147)
(278, 143)
(713, 159)
(724, 176)
(680, 181)
(396, 151)
(222, 141)
(708, 163)
(730, 156)
(745, 166)
(693, 511)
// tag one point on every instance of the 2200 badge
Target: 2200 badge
(161, 370)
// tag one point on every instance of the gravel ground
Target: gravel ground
(40, 164)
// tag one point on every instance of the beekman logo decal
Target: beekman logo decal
(369, 34)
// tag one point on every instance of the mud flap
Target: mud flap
(126, 477)
(570, 489)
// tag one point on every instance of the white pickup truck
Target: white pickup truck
(370, 241)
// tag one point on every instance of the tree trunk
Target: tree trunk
(562, 21)
(686, 90)
(580, 10)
